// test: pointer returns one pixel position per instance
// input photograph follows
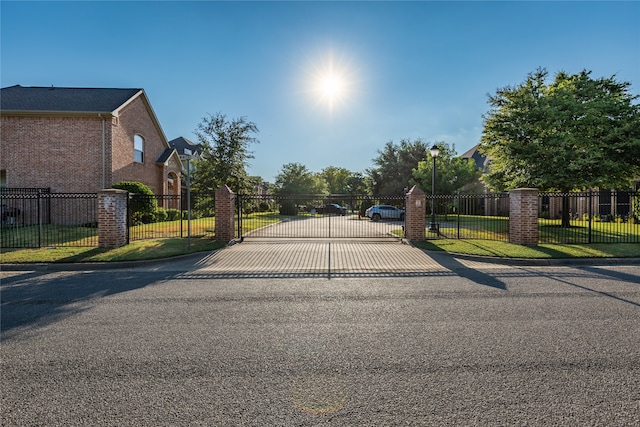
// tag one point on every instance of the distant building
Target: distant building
(481, 161)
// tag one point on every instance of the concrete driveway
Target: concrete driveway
(314, 257)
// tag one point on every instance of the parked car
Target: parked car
(378, 212)
(332, 208)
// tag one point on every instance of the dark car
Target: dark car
(332, 208)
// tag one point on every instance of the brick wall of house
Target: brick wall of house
(65, 153)
(61, 153)
(135, 119)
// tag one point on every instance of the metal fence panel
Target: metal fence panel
(164, 216)
(36, 219)
(589, 217)
(468, 216)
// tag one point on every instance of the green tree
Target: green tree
(452, 173)
(336, 178)
(356, 184)
(394, 166)
(296, 179)
(225, 144)
(574, 133)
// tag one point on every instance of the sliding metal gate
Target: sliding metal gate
(315, 216)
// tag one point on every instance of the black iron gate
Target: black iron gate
(319, 216)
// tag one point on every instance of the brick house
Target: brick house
(81, 140)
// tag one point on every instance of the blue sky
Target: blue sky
(409, 69)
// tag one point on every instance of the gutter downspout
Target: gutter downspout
(104, 161)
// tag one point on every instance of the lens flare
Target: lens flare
(331, 80)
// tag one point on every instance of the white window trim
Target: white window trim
(137, 138)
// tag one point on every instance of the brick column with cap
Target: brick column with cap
(523, 216)
(415, 214)
(112, 218)
(225, 211)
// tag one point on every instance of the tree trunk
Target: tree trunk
(566, 212)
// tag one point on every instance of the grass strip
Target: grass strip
(542, 251)
(136, 251)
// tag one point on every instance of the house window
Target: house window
(138, 149)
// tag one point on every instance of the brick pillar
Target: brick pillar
(225, 211)
(523, 216)
(112, 218)
(415, 215)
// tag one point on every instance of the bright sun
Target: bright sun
(331, 81)
(331, 87)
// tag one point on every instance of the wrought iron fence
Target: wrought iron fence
(161, 216)
(32, 219)
(37, 218)
(468, 216)
(589, 217)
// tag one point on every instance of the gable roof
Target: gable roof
(181, 143)
(166, 155)
(63, 99)
(480, 159)
(37, 100)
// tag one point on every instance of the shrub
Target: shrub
(143, 205)
(161, 214)
(263, 207)
(288, 208)
(173, 214)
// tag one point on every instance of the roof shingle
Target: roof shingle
(63, 99)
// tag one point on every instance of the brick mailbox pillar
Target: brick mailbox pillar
(415, 215)
(523, 216)
(112, 218)
(225, 210)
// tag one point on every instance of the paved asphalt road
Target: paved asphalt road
(200, 342)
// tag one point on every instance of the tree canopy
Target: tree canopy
(226, 154)
(574, 133)
(394, 166)
(295, 178)
(452, 172)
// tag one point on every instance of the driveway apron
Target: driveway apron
(299, 258)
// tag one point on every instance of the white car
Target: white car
(378, 212)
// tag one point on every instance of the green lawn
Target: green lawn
(543, 251)
(135, 251)
(551, 231)
(48, 235)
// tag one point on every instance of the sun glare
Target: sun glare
(331, 82)
(331, 87)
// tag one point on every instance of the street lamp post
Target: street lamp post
(188, 156)
(433, 227)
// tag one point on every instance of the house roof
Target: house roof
(166, 155)
(480, 159)
(181, 143)
(55, 101)
(64, 99)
